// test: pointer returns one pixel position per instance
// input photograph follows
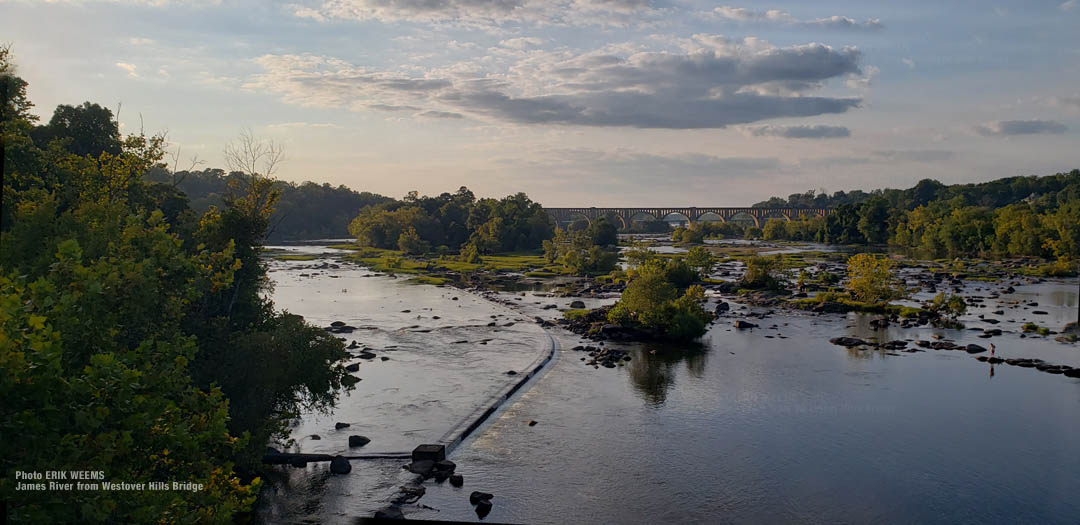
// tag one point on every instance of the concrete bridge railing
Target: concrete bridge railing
(692, 214)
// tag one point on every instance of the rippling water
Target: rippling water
(768, 425)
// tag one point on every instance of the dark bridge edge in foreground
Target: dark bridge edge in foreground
(625, 215)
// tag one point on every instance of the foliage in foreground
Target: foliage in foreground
(135, 338)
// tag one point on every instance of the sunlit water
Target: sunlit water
(768, 425)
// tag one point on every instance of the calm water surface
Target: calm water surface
(773, 424)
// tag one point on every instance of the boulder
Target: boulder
(847, 341)
(445, 465)
(743, 325)
(358, 441)
(316, 437)
(340, 465)
(337, 324)
(366, 355)
(339, 425)
(577, 305)
(721, 307)
(355, 367)
(478, 496)
(483, 508)
(424, 467)
(457, 480)
(974, 349)
(429, 452)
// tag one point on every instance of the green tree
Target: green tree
(871, 279)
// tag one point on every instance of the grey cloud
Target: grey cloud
(703, 89)
(1004, 128)
(1067, 101)
(799, 132)
(442, 114)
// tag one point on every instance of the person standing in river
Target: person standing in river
(991, 349)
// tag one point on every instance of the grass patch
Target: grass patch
(296, 257)
(574, 315)
(429, 279)
(347, 247)
(543, 274)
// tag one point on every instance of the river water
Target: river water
(766, 425)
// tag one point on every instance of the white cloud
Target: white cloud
(522, 42)
(478, 13)
(130, 68)
(776, 16)
(908, 62)
(1068, 6)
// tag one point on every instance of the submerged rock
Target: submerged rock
(478, 496)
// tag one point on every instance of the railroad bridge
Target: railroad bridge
(692, 214)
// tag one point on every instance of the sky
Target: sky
(579, 102)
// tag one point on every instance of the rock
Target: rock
(316, 437)
(337, 324)
(298, 462)
(355, 367)
(366, 355)
(445, 465)
(358, 441)
(424, 467)
(847, 341)
(340, 465)
(532, 423)
(511, 373)
(1074, 372)
(389, 513)
(478, 496)
(457, 480)
(441, 475)
(975, 349)
(429, 452)
(340, 425)
(483, 508)
(721, 307)
(384, 358)
(577, 305)
(1040, 312)
(743, 325)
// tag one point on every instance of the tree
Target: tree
(871, 279)
(701, 261)
(760, 272)
(411, 243)
(651, 301)
(87, 130)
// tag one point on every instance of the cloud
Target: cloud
(1004, 128)
(914, 155)
(615, 13)
(441, 114)
(521, 43)
(130, 68)
(776, 16)
(705, 88)
(1068, 6)
(908, 62)
(797, 132)
(1073, 101)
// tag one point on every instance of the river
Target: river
(766, 425)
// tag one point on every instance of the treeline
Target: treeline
(1015, 216)
(135, 333)
(1052, 190)
(454, 223)
(304, 211)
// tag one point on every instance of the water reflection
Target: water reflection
(654, 367)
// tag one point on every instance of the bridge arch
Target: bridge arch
(710, 216)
